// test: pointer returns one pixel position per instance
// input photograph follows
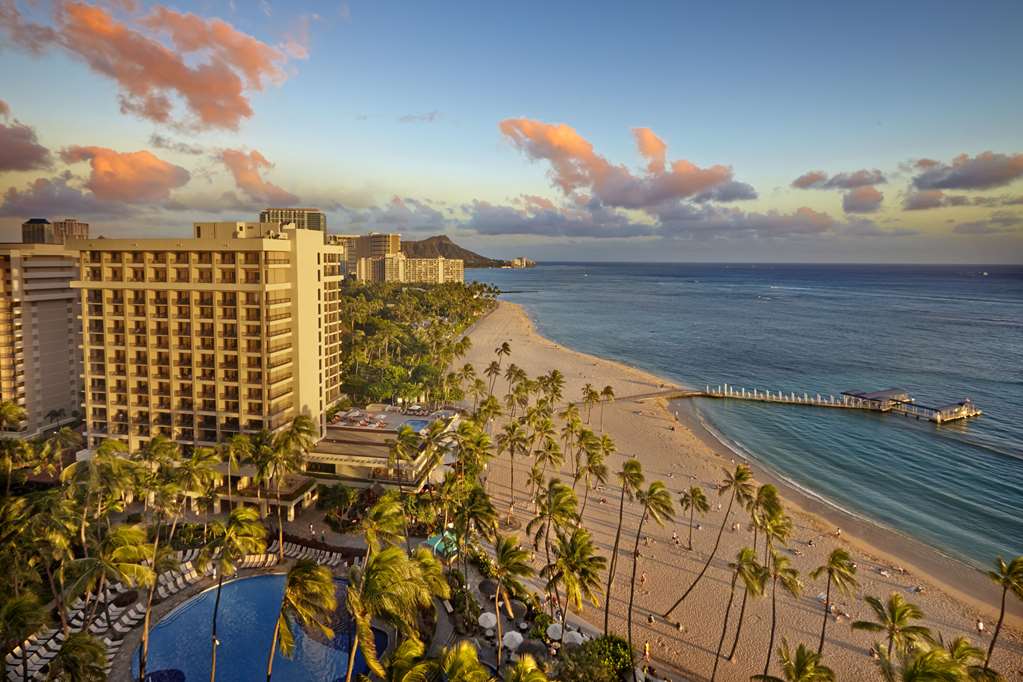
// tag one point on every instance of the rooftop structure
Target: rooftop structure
(303, 218)
(42, 231)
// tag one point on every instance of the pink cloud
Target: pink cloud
(211, 70)
(19, 148)
(866, 199)
(575, 166)
(246, 169)
(129, 177)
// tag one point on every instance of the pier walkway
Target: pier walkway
(892, 400)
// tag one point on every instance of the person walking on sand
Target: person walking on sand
(980, 627)
(646, 651)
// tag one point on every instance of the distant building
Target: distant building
(304, 218)
(39, 334)
(42, 231)
(365, 246)
(522, 262)
(397, 267)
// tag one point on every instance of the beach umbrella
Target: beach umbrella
(512, 640)
(554, 632)
(487, 620)
(573, 637)
(518, 609)
(488, 588)
(534, 648)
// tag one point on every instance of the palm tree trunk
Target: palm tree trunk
(213, 631)
(58, 597)
(144, 649)
(738, 628)
(774, 622)
(827, 611)
(998, 628)
(586, 498)
(24, 664)
(497, 612)
(273, 649)
(547, 548)
(632, 584)
(710, 558)
(690, 543)
(351, 656)
(229, 504)
(724, 628)
(95, 605)
(511, 492)
(280, 525)
(614, 560)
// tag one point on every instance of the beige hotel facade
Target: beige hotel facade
(233, 331)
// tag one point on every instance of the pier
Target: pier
(894, 400)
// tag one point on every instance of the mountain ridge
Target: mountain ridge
(441, 245)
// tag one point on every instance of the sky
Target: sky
(659, 131)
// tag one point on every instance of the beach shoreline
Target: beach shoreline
(670, 449)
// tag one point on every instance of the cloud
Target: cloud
(426, 117)
(129, 177)
(537, 216)
(728, 191)
(983, 171)
(246, 169)
(576, 167)
(19, 148)
(821, 180)
(161, 142)
(211, 69)
(1000, 222)
(866, 199)
(935, 198)
(55, 196)
(399, 214)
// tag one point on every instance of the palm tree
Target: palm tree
(492, 371)
(657, 506)
(971, 658)
(631, 479)
(694, 501)
(841, 572)
(20, 617)
(924, 664)
(607, 395)
(120, 555)
(513, 440)
(893, 618)
(803, 666)
(164, 559)
(577, 568)
(781, 571)
(407, 663)
(475, 516)
(288, 455)
(460, 663)
(524, 670)
(593, 470)
(234, 453)
(511, 564)
(309, 600)
(752, 574)
(229, 543)
(1010, 578)
(82, 658)
(590, 398)
(389, 586)
(739, 485)
(50, 526)
(555, 510)
(383, 524)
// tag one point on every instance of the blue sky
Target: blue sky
(389, 116)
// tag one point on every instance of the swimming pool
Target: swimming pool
(416, 425)
(179, 648)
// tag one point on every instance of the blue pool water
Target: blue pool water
(941, 332)
(179, 648)
(416, 425)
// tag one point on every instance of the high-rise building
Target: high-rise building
(39, 334)
(42, 231)
(304, 218)
(397, 267)
(373, 245)
(235, 330)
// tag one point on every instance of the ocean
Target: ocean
(943, 333)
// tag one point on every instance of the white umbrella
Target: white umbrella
(512, 640)
(573, 637)
(487, 620)
(554, 632)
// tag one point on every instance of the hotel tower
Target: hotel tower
(233, 331)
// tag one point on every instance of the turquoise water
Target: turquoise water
(416, 425)
(179, 649)
(943, 333)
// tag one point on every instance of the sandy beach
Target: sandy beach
(679, 452)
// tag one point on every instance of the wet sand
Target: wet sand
(681, 453)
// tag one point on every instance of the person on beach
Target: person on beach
(980, 627)
(646, 651)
